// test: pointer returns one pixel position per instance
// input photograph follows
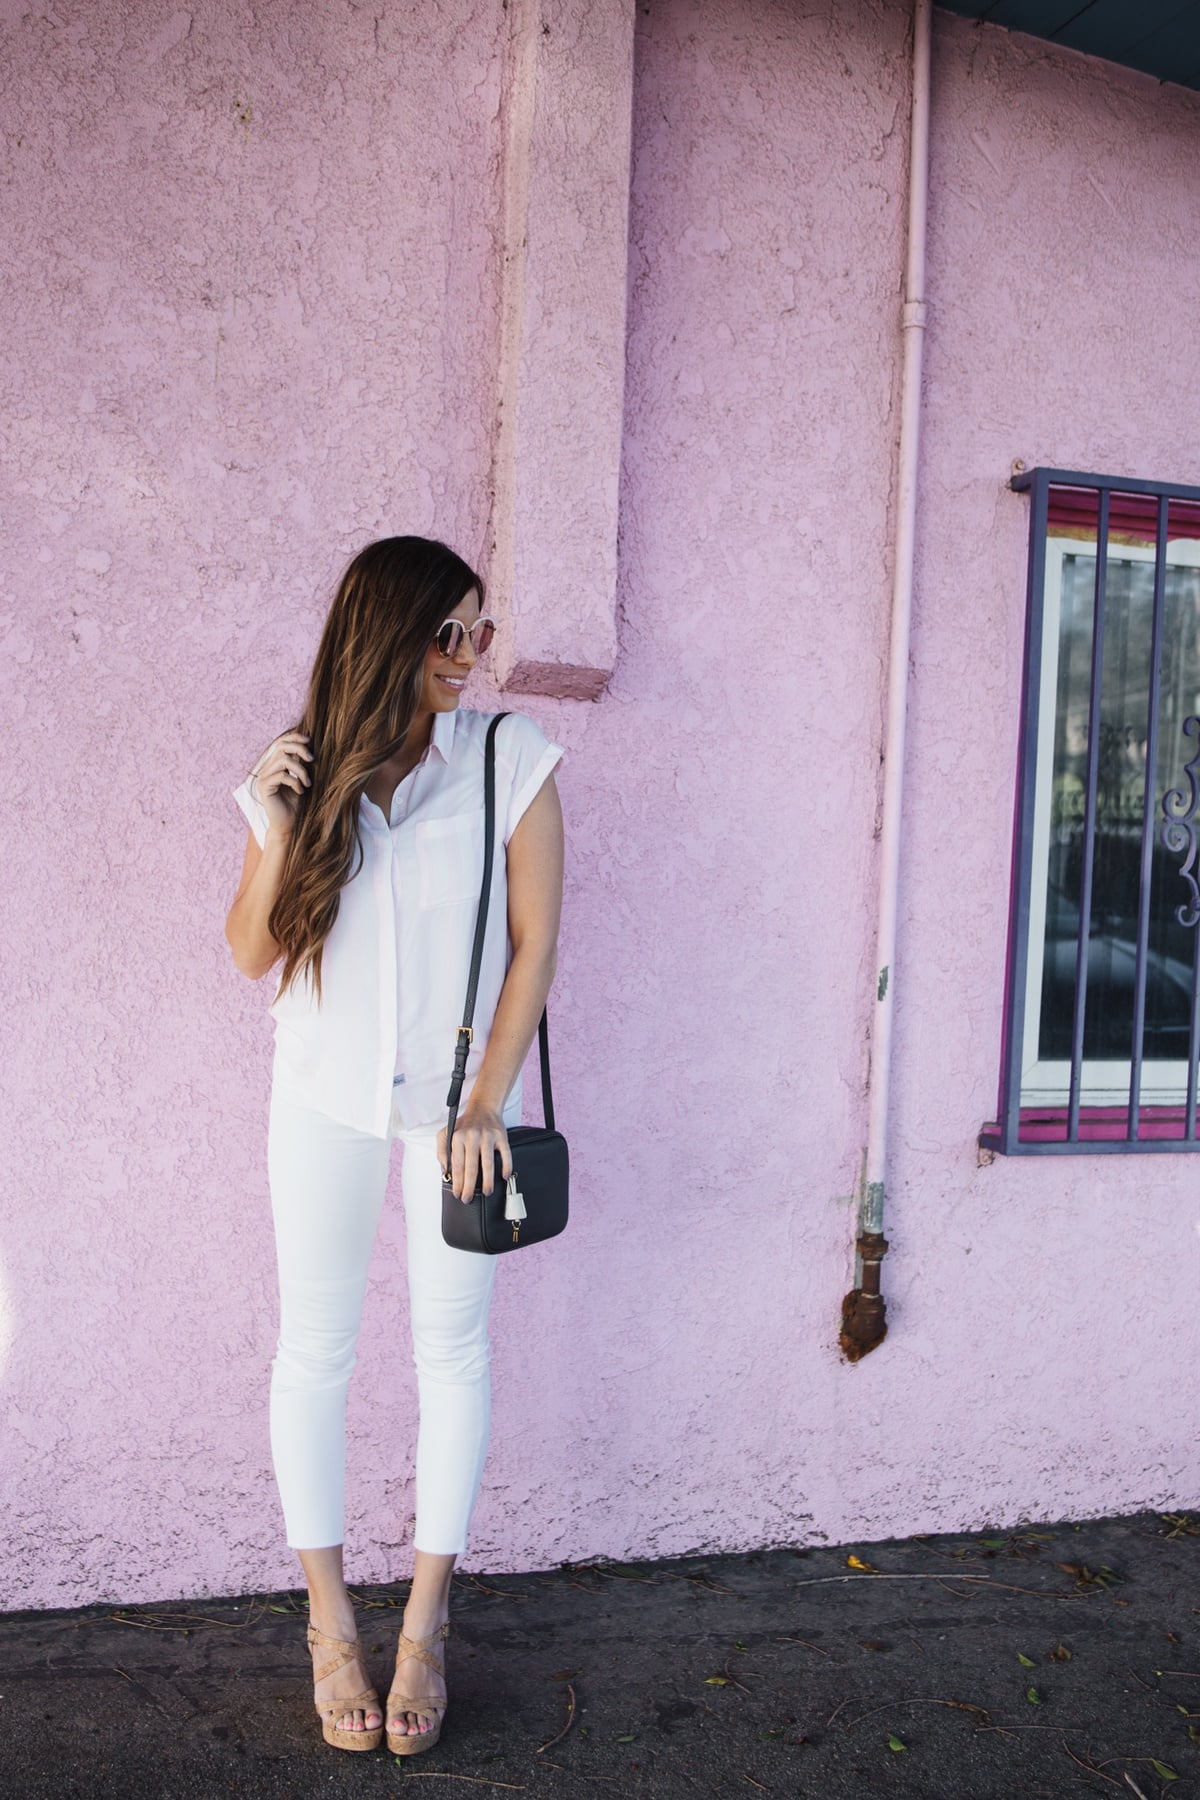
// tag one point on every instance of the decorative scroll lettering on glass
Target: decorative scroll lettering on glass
(1179, 829)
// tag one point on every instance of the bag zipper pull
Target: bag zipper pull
(514, 1202)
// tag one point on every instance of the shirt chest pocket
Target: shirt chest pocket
(449, 859)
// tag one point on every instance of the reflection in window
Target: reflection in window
(1120, 795)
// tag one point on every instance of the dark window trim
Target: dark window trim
(1073, 1129)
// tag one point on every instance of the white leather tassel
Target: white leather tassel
(514, 1204)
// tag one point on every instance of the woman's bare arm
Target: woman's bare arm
(278, 778)
(254, 949)
(535, 872)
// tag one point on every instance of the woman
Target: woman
(362, 873)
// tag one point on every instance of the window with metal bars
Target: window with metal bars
(1102, 1003)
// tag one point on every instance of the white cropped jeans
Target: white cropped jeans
(327, 1186)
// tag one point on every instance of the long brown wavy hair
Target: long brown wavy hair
(362, 696)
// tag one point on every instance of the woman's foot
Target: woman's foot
(345, 1683)
(416, 1679)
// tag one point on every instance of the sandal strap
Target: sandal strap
(317, 1636)
(420, 1648)
(418, 1703)
(367, 1701)
(347, 1652)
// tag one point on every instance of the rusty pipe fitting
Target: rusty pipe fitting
(864, 1311)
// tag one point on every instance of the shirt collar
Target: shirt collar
(442, 736)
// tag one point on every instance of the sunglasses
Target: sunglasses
(451, 634)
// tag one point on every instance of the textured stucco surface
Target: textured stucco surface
(254, 318)
(1041, 1302)
(566, 147)
(250, 322)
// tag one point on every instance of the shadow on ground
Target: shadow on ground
(1059, 1660)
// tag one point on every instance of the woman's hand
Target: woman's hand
(478, 1134)
(279, 777)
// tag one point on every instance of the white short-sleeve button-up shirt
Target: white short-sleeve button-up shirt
(395, 963)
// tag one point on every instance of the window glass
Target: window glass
(1059, 823)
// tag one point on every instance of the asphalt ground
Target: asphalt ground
(1055, 1660)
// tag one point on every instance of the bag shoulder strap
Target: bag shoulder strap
(465, 1034)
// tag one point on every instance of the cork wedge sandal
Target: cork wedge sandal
(367, 1701)
(421, 1648)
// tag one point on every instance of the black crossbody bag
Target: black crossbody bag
(532, 1204)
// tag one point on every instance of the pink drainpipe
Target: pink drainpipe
(864, 1319)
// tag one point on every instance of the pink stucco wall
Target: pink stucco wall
(252, 320)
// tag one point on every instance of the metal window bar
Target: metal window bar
(1022, 877)
(1089, 822)
(1149, 826)
(1179, 833)
(1193, 1029)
